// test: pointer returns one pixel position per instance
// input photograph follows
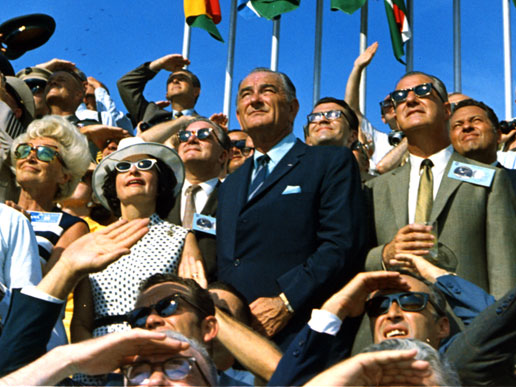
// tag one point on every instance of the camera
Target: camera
(395, 137)
(507, 126)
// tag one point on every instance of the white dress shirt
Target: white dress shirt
(200, 197)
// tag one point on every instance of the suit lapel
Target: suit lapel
(446, 188)
(285, 165)
(399, 183)
(174, 216)
(211, 204)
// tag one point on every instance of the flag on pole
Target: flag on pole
(348, 6)
(398, 26)
(268, 9)
(204, 14)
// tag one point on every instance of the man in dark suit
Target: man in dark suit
(183, 90)
(475, 133)
(471, 204)
(289, 221)
(203, 147)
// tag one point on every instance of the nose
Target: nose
(154, 321)
(411, 96)
(394, 312)
(467, 126)
(158, 378)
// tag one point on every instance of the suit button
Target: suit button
(236, 262)
(301, 343)
(499, 310)
(295, 352)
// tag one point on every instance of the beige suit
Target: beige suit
(478, 224)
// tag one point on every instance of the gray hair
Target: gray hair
(288, 86)
(201, 349)
(219, 132)
(438, 85)
(73, 148)
(444, 373)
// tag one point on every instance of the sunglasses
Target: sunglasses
(407, 301)
(36, 85)
(329, 115)
(176, 368)
(180, 78)
(166, 307)
(399, 96)
(44, 153)
(386, 105)
(141, 165)
(240, 145)
(201, 134)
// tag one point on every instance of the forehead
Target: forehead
(412, 80)
(43, 141)
(63, 76)
(199, 125)
(324, 107)
(260, 78)
(469, 111)
(157, 292)
(181, 74)
(238, 135)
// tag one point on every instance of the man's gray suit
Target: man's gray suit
(476, 223)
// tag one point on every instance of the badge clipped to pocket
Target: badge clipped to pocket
(470, 173)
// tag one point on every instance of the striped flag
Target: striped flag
(268, 9)
(204, 14)
(348, 6)
(398, 26)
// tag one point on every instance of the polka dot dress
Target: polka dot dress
(115, 288)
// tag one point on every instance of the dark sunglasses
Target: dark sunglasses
(386, 105)
(44, 153)
(201, 134)
(407, 301)
(176, 368)
(329, 115)
(180, 78)
(36, 85)
(141, 165)
(164, 308)
(240, 145)
(399, 96)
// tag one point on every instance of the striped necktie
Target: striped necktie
(261, 174)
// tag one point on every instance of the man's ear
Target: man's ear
(447, 110)
(353, 136)
(224, 156)
(197, 92)
(443, 328)
(209, 328)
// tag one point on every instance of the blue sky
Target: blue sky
(108, 38)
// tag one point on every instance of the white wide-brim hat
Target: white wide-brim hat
(136, 146)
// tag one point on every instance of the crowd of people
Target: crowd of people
(155, 245)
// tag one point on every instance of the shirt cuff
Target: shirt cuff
(323, 321)
(36, 293)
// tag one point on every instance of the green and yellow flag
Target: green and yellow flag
(204, 14)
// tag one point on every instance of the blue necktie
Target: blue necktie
(261, 174)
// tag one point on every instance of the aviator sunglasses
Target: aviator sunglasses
(399, 96)
(407, 301)
(240, 145)
(44, 153)
(329, 115)
(164, 308)
(141, 165)
(201, 134)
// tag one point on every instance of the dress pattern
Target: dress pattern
(115, 289)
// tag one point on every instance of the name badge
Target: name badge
(474, 174)
(45, 217)
(204, 223)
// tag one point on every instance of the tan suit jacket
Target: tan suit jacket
(478, 224)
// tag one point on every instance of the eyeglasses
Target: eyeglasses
(44, 153)
(407, 301)
(180, 78)
(386, 105)
(176, 368)
(166, 307)
(35, 84)
(329, 115)
(141, 165)
(240, 145)
(399, 96)
(201, 134)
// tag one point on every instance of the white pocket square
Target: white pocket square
(291, 189)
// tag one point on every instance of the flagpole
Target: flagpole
(457, 72)
(186, 41)
(507, 58)
(410, 45)
(275, 43)
(363, 46)
(317, 51)
(230, 62)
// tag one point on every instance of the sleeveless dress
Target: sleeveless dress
(115, 288)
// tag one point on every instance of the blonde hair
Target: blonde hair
(73, 148)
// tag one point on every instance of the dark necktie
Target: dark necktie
(190, 205)
(261, 174)
(425, 193)
(178, 114)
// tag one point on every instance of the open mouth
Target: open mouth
(396, 333)
(135, 182)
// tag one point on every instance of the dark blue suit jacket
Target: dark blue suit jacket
(307, 243)
(26, 332)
